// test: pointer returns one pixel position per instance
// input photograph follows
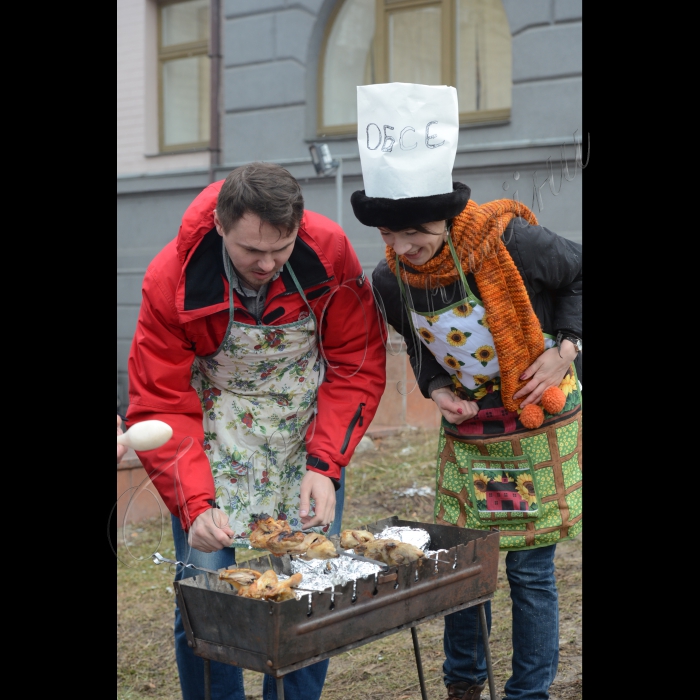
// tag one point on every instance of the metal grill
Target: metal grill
(277, 638)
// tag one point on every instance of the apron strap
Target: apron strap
(228, 268)
(457, 263)
(403, 294)
(229, 271)
(455, 260)
(301, 291)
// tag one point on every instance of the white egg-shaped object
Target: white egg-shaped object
(146, 435)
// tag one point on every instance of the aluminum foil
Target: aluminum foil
(319, 574)
(416, 536)
(323, 574)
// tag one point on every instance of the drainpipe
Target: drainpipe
(214, 87)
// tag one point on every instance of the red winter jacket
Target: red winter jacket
(184, 313)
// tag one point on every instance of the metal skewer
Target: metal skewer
(365, 559)
(247, 537)
(158, 559)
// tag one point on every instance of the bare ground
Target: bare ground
(391, 479)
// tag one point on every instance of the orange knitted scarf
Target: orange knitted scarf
(477, 238)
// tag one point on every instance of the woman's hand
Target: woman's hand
(454, 409)
(547, 370)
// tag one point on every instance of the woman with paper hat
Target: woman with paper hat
(489, 304)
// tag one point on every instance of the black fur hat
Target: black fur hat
(398, 214)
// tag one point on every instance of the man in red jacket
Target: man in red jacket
(258, 342)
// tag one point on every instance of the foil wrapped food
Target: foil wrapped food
(319, 574)
(416, 536)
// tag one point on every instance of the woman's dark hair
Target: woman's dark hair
(264, 189)
(419, 227)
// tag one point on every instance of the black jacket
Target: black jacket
(550, 266)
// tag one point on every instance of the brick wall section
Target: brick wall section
(136, 492)
(402, 403)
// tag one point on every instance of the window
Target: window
(348, 61)
(183, 75)
(483, 60)
(464, 43)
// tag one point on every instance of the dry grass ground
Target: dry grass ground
(377, 483)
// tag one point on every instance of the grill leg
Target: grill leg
(419, 664)
(207, 680)
(487, 649)
(280, 689)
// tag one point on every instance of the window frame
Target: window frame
(380, 47)
(176, 51)
(336, 129)
(384, 8)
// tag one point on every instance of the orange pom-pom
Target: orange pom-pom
(532, 416)
(553, 400)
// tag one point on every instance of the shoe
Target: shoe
(464, 691)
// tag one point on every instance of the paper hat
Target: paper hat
(407, 135)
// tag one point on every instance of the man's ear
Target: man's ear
(217, 223)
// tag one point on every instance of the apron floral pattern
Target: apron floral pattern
(258, 395)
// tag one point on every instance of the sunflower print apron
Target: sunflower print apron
(258, 395)
(493, 473)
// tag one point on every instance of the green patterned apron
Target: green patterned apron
(524, 483)
(258, 394)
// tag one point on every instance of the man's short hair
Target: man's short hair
(265, 189)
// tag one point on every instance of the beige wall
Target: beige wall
(137, 96)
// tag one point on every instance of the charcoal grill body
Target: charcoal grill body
(277, 638)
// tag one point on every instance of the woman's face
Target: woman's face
(416, 246)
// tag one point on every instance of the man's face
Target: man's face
(256, 248)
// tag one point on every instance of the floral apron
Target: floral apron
(524, 483)
(258, 394)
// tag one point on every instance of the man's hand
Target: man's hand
(322, 490)
(210, 531)
(454, 409)
(121, 449)
(547, 370)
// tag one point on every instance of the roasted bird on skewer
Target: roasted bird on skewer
(240, 578)
(252, 584)
(277, 537)
(392, 552)
(266, 528)
(351, 538)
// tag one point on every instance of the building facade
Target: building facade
(204, 86)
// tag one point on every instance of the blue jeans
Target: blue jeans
(535, 634)
(339, 504)
(226, 680)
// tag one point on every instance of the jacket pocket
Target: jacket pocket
(351, 427)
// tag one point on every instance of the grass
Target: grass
(376, 483)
